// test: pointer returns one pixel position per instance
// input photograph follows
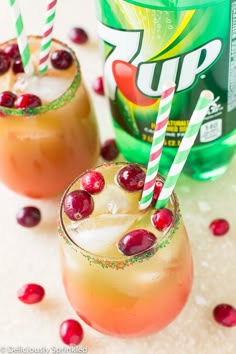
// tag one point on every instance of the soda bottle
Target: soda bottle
(146, 43)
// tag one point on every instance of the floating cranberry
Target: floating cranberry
(225, 314)
(136, 241)
(31, 293)
(17, 66)
(219, 227)
(109, 150)
(28, 216)
(7, 99)
(131, 178)
(93, 182)
(71, 332)
(162, 219)
(157, 190)
(98, 86)
(27, 101)
(78, 35)
(78, 204)
(61, 59)
(5, 62)
(12, 50)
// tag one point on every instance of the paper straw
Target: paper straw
(21, 37)
(200, 111)
(47, 35)
(157, 144)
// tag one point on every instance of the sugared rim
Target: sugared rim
(115, 262)
(59, 101)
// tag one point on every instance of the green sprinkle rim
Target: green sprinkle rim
(59, 102)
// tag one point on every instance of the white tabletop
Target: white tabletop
(31, 255)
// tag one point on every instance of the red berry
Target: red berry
(61, 59)
(162, 219)
(78, 204)
(131, 178)
(78, 35)
(98, 86)
(109, 150)
(28, 216)
(136, 241)
(27, 100)
(7, 99)
(157, 190)
(71, 332)
(93, 182)
(225, 314)
(12, 50)
(219, 227)
(5, 62)
(31, 293)
(17, 66)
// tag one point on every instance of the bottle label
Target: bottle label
(145, 47)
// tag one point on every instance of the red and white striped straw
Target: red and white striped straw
(47, 35)
(157, 144)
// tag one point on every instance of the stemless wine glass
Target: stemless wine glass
(115, 293)
(44, 148)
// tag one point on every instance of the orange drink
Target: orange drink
(127, 272)
(45, 142)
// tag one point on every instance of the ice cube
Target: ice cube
(98, 234)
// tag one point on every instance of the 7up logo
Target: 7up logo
(149, 76)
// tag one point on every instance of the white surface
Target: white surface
(31, 255)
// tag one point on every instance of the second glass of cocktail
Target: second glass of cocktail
(127, 272)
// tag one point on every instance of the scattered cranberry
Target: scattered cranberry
(98, 86)
(78, 35)
(93, 182)
(109, 150)
(71, 332)
(7, 99)
(78, 204)
(136, 241)
(31, 293)
(12, 50)
(27, 100)
(157, 190)
(61, 59)
(5, 62)
(131, 178)
(219, 227)
(225, 314)
(162, 219)
(17, 66)
(28, 216)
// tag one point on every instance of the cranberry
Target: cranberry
(109, 150)
(31, 293)
(98, 86)
(219, 227)
(157, 190)
(78, 204)
(28, 216)
(7, 99)
(162, 219)
(27, 100)
(225, 314)
(93, 182)
(131, 178)
(71, 332)
(12, 50)
(61, 59)
(78, 35)
(17, 66)
(136, 241)
(5, 62)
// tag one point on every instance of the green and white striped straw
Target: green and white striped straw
(21, 37)
(200, 111)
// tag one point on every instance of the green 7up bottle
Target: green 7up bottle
(191, 42)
